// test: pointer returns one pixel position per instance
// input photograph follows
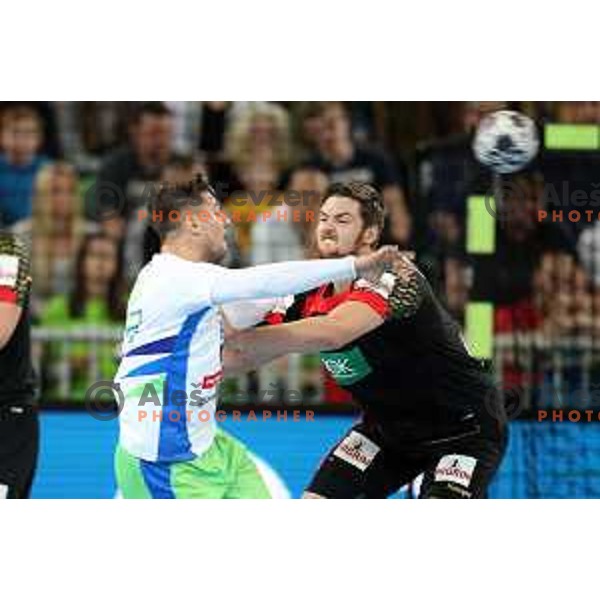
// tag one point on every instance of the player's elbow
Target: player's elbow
(234, 362)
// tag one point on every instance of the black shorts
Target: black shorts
(364, 465)
(19, 442)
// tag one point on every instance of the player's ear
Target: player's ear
(370, 235)
(191, 222)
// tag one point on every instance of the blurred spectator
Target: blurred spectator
(257, 150)
(339, 157)
(186, 125)
(456, 278)
(57, 228)
(135, 170)
(148, 151)
(259, 194)
(257, 139)
(90, 129)
(212, 129)
(20, 139)
(97, 300)
(506, 276)
(565, 296)
(578, 112)
(51, 145)
(306, 129)
(285, 235)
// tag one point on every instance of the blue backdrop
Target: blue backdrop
(559, 460)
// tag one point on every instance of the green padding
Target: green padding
(481, 225)
(479, 328)
(571, 137)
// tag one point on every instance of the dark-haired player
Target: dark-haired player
(18, 415)
(400, 354)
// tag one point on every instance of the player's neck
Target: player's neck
(182, 248)
(341, 286)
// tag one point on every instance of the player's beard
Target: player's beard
(337, 253)
(220, 253)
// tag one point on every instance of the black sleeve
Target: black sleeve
(294, 312)
(409, 289)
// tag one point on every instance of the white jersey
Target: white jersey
(172, 344)
(172, 352)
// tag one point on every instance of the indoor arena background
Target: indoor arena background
(523, 283)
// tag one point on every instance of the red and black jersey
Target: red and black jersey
(17, 382)
(413, 375)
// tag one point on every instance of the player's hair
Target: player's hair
(13, 114)
(174, 197)
(372, 210)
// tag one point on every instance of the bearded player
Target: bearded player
(424, 399)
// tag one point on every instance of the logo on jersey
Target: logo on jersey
(134, 321)
(456, 468)
(357, 450)
(9, 270)
(210, 381)
(346, 367)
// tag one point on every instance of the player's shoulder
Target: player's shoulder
(13, 245)
(15, 276)
(173, 267)
(14, 259)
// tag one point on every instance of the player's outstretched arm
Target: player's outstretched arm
(251, 349)
(294, 277)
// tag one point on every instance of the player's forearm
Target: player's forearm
(253, 348)
(280, 279)
(236, 362)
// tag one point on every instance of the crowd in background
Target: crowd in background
(63, 163)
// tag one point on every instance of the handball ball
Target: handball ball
(506, 141)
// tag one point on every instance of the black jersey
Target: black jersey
(17, 381)
(413, 375)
